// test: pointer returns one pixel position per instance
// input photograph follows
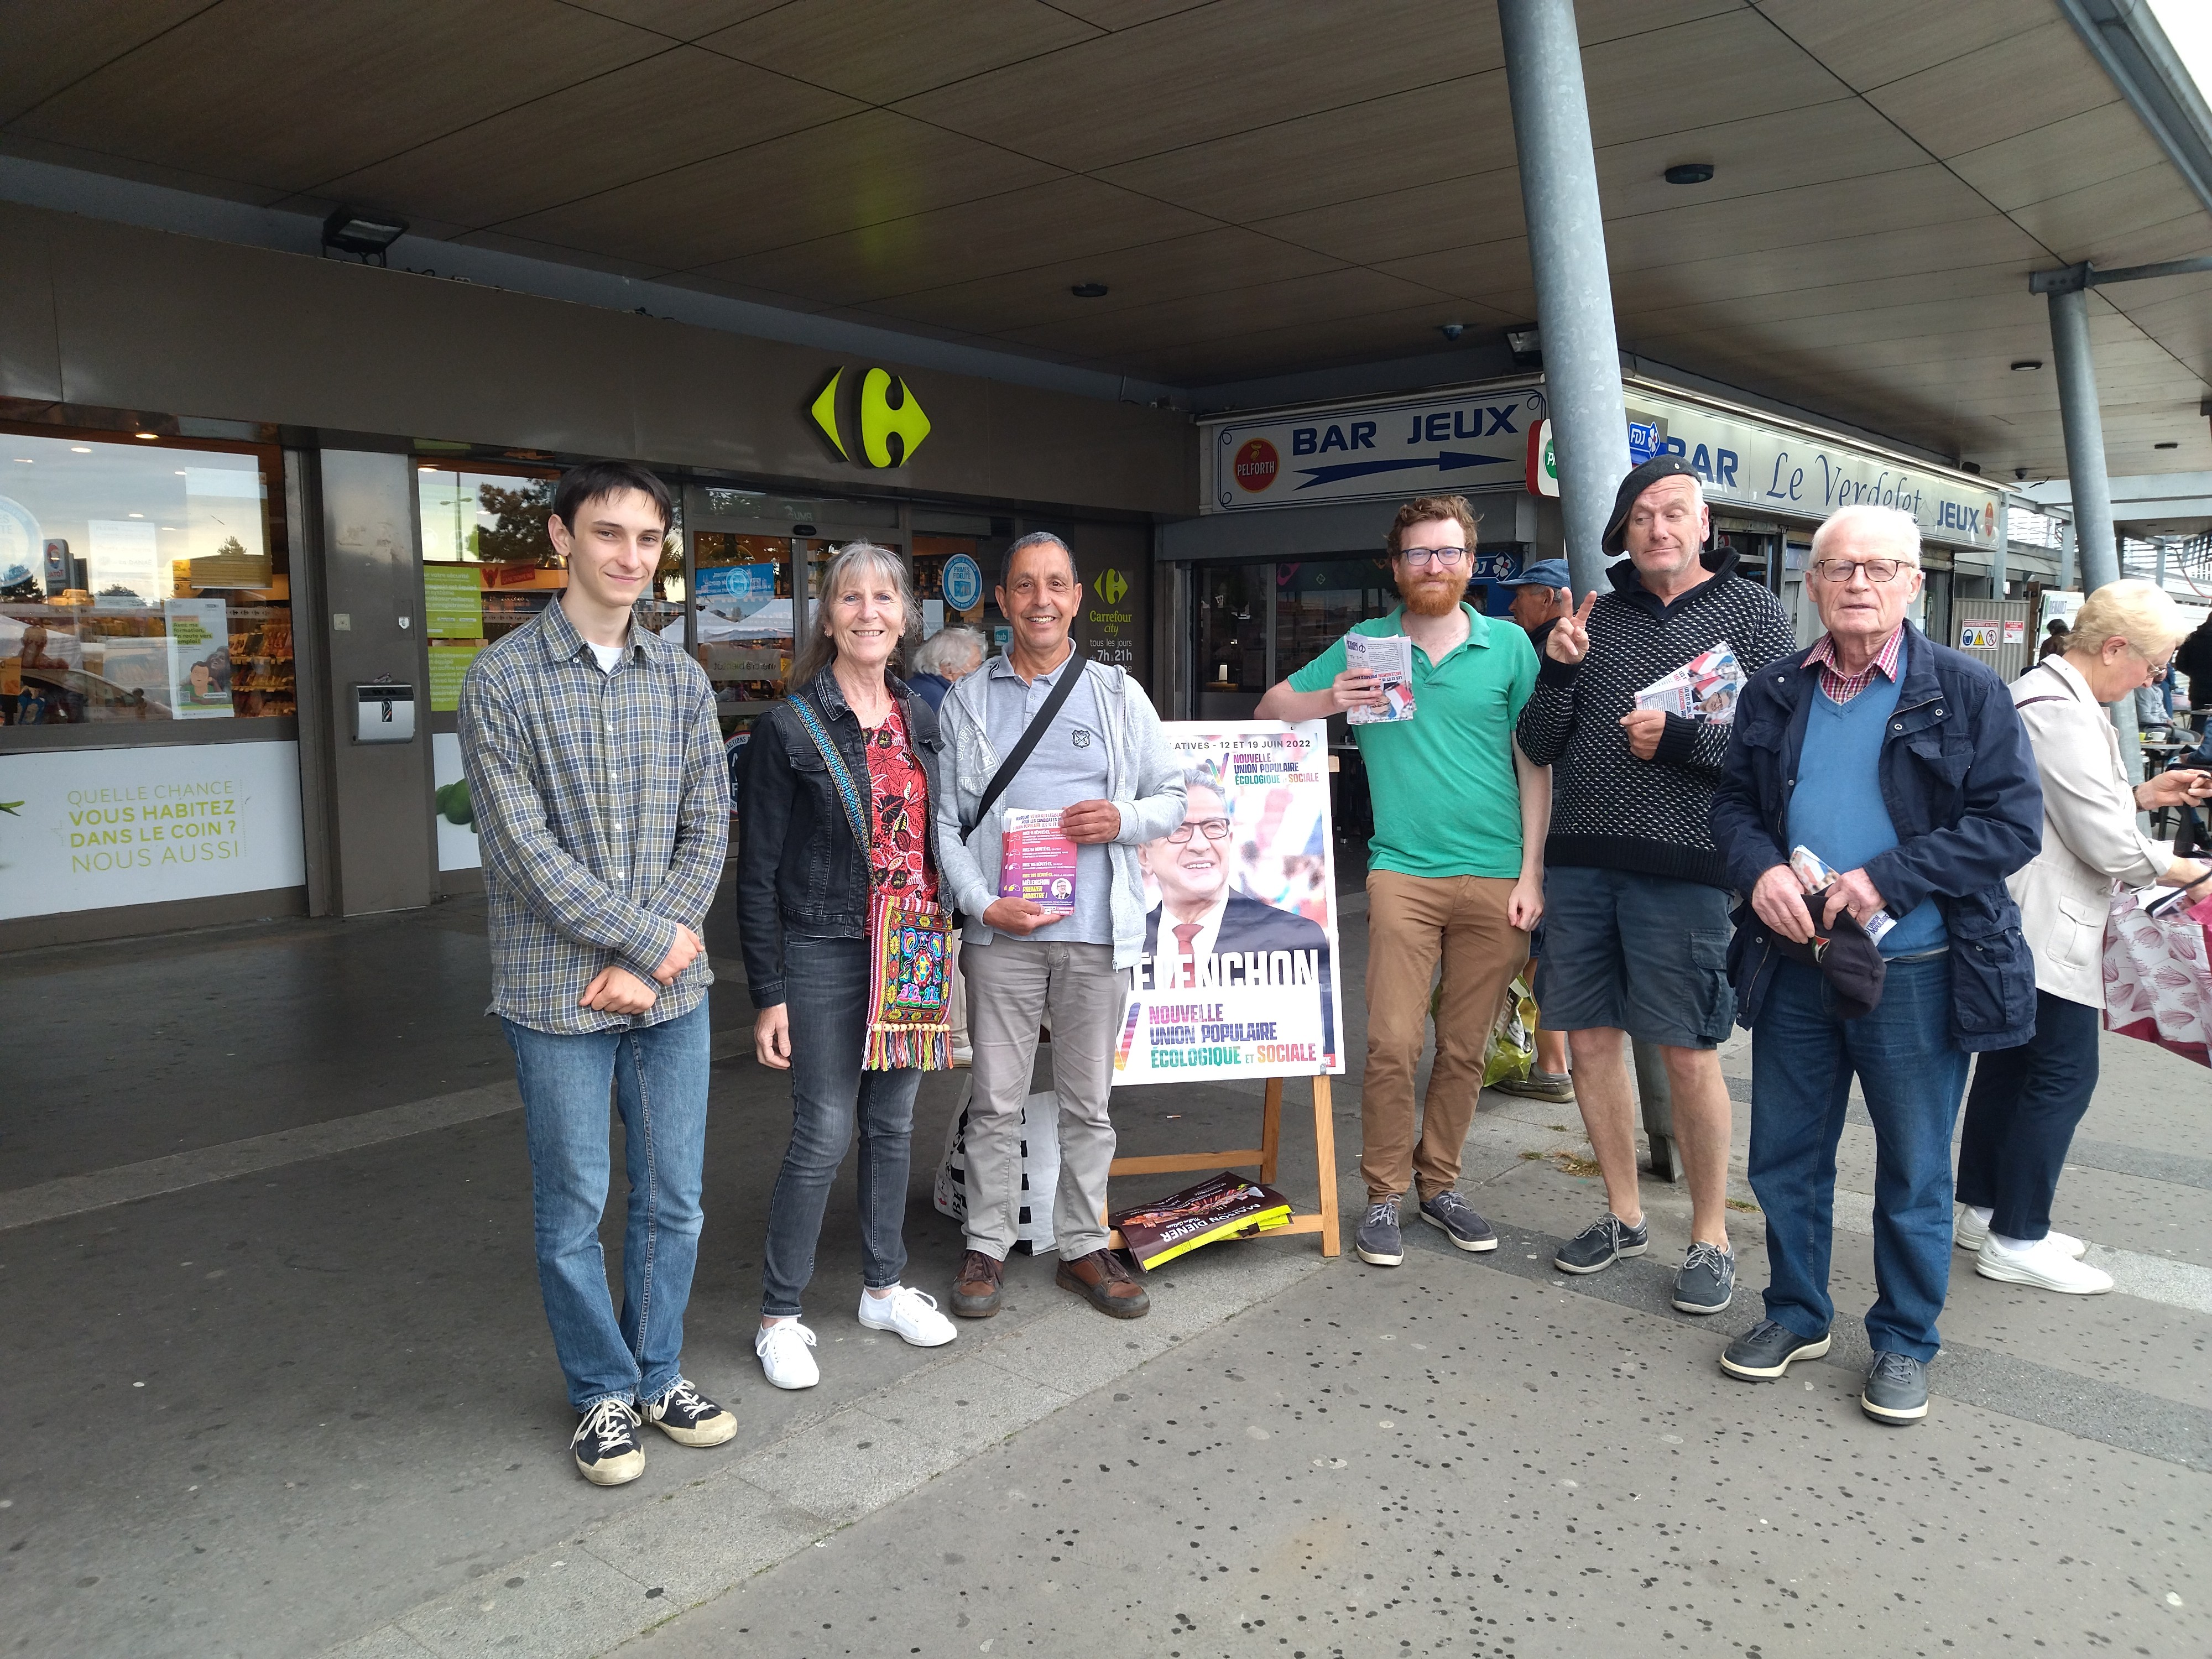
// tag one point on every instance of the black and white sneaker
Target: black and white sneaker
(689, 1418)
(1378, 1242)
(1768, 1350)
(605, 1445)
(1707, 1281)
(1456, 1217)
(1600, 1244)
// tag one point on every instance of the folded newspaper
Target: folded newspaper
(1704, 688)
(1220, 1206)
(1390, 658)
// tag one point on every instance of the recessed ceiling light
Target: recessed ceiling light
(1690, 172)
(1089, 290)
(148, 437)
(181, 473)
(25, 461)
(137, 515)
(2027, 364)
(2170, 446)
(80, 449)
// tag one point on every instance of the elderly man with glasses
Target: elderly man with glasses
(1455, 869)
(1901, 767)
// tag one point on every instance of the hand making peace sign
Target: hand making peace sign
(1569, 640)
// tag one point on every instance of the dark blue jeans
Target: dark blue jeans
(2020, 1118)
(1802, 1061)
(825, 985)
(659, 1075)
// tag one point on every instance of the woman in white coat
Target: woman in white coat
(2026, 1102)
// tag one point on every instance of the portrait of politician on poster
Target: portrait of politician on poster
(1239, 976)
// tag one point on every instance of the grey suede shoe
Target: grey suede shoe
(1378, 1242)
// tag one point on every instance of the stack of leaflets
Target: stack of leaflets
(1704, 688)
(1390, 658)
(1038, 863)
(1220, 1206)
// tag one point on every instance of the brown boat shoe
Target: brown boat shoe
(1104, 1280)
(977, 1286)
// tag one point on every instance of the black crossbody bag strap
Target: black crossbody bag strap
(1032, 734)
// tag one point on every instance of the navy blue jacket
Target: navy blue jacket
(1961, 787)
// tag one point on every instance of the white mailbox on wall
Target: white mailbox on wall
(384, 713)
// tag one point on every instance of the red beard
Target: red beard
(1434, 597)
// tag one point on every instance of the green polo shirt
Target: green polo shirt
(1446, 800)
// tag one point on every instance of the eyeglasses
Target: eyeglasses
(1216, 829)
(1839, 571)
(1447, 558)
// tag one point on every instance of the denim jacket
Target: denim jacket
(1960, 784)
(799, 868)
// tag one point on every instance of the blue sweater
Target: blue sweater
(1836, 809)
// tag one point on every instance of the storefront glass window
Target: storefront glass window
(1232, 638)
(745, 620)
(140, 580)
(1318, 601)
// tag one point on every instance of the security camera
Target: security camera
(1451, 330)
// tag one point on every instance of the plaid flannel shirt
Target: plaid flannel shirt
(603, 806)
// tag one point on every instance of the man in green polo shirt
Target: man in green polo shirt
(1455, 868)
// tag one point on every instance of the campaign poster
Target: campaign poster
(199, 658)
(1239, 972)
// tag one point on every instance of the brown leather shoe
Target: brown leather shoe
(976, 1287)
(1104, 1280)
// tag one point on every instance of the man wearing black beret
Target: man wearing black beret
(1635, 893)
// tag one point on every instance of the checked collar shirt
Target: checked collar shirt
(1841, 687)
(601, 803)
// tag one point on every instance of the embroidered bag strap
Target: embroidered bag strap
(856, 812)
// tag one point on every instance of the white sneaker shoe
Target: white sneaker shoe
(910, 1313)
(1968, 1232)
(782, 1348)
(2045, 1264)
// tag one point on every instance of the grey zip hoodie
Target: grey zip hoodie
(1142, 778)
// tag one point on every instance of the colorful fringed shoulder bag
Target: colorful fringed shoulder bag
(909, 946)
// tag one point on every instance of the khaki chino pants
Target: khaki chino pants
(1412, 921)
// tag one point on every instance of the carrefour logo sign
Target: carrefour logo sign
(886, 417)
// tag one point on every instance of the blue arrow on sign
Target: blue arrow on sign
(1449, 460)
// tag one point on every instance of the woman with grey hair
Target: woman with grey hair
(949, 655)
(836, 844)
(2027, 1100)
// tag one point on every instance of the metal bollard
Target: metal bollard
(1658, 1109)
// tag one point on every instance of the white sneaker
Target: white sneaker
(2044, 1265)
(910, 1312)
(782, 1348)
(1969, 1231)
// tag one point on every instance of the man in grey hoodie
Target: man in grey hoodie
(1104, 766)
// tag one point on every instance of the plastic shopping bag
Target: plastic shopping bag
(1511, 1050)
(1040, 1169)
(2158, 985)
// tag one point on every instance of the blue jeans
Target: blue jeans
(2022, 1117)
(1802, 1059)
(659, 1075)
(825, 987)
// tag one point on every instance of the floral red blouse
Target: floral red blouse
(898, 810)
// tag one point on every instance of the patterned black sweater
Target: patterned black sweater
(1609, 808)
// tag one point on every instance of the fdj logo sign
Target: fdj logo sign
(888, 418)
(1113, 587)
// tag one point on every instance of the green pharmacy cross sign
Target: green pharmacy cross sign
(886, 415)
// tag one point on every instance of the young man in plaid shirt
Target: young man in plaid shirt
(602, 801)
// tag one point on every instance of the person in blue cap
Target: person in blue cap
(1541, 595)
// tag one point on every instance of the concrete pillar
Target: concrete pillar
(2066, 554)
(2084, 439)
(2087, 478)
(1574, 292)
